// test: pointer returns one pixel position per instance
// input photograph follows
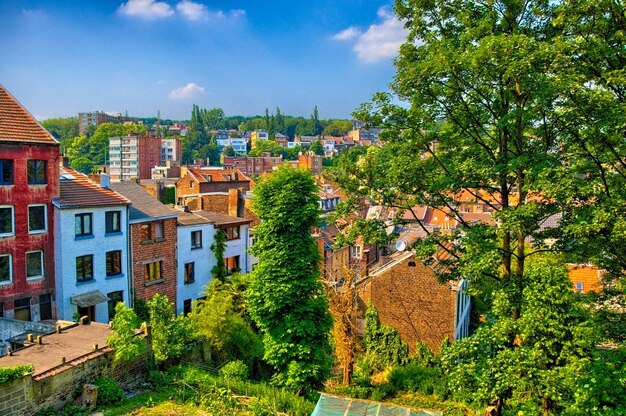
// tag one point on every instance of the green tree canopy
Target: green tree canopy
(286, 296)
(83, 165)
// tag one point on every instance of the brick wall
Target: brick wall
(12, 398)
(144, 252)
(409, 298)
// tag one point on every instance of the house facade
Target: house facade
(133, 157)
(91, 261)
(29, 180)
(196, 235)
(153, 241)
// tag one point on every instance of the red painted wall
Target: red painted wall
(20, 195)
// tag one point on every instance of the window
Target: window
(84, 268)
(189, 272)
(579, 286)
(158, 230)
(6, 221)
(21, 309)
(82, 225)
(6, 268)
(36, 172)
(196, 239)
(36, 219)
(34, 264)
(45, 307)
(152, 231)
(1, 309)
(232, 264)
(114, 263)
(232, 233)
(114, 299)
(153, 271)
(112, 221)
(6, 172)
(186, 306)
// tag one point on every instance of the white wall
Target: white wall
(203, 258)
(68, 247)
(239, 247)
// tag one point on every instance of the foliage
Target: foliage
(235, 370)
(265, 146)
(382, 342)
(95, 147)
(221, 320)
(228, 151)
(126, 345)
(169, 195)
(82, 165)
(292, 153)
(62, 128)
(170, 333)
(286, 296)
(140, 307)
(410, 378)
(109, 393)
(219, 271)
(531, 362)
(317, 148)
(8, 374)
(337, 128)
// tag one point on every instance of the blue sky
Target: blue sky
(64, 57)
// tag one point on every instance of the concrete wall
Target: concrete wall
(10, 328)
(69, 247)
(203, 258)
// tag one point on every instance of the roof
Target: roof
(144, 206)
(78, 191)
(189, 218)
(18, 125)
(222, 219)
(73, 343)
(217, 175)
(328, 405)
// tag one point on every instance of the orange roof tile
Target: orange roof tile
(78, 191)
(17, 125)
(218, 175)
(585, 278)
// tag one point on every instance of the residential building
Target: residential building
(258, 135)
(196, 235)
(305, 141)
(29, 179)
(95, 118)
(195, 183)
(409, 297)
(238, 240)
(171, 151)
(313, 163)
(153, 241)
(91, 239)
(253, 166)
(133, 157)
(170, 169)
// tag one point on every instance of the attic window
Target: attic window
(411, 264)
(579, 286)
(207, 178)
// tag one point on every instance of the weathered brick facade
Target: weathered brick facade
(146, 251)
(408, 297)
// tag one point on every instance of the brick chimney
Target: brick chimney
(233, 203)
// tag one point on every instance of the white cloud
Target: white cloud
(190, 90)
(146, 9)
(380, 41)
(347, 34)
(199, 12)
(193, 11)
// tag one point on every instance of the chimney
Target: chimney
(233, 202)
(105, 180)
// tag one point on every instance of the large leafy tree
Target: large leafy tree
(286, 295)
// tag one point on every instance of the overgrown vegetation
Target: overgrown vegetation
(8, 374)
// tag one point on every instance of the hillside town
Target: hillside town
(457, 246)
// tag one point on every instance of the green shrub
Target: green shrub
(109, 393)
(8, 374)
(234, 370)
(48, 411)
(412, 377)
(72, 410)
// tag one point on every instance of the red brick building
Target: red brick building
(252, 166)
(153, 241)
(29, 179)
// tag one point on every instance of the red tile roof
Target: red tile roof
(217, 175)
(17, 125)
(78, 191)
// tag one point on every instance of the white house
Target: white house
(196, 235)
(91, 248)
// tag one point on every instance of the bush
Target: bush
(8, 374)
(109, 393)
(48, 411)
(412, 377)
(235, 370)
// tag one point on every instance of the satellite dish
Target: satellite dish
(400, 246)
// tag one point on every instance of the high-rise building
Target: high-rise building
(132, 157)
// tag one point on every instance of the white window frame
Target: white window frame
(45, 219)
(40, 276)
(8, 282)
(12, 233)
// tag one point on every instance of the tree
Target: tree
(266, 146)
(62, 128)
(228, 151)
(220, 319)
(170, 333)
(337, 128)
(218, 247)
(286, 295)
(125, 343)
(82, 165)
(317, 148)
